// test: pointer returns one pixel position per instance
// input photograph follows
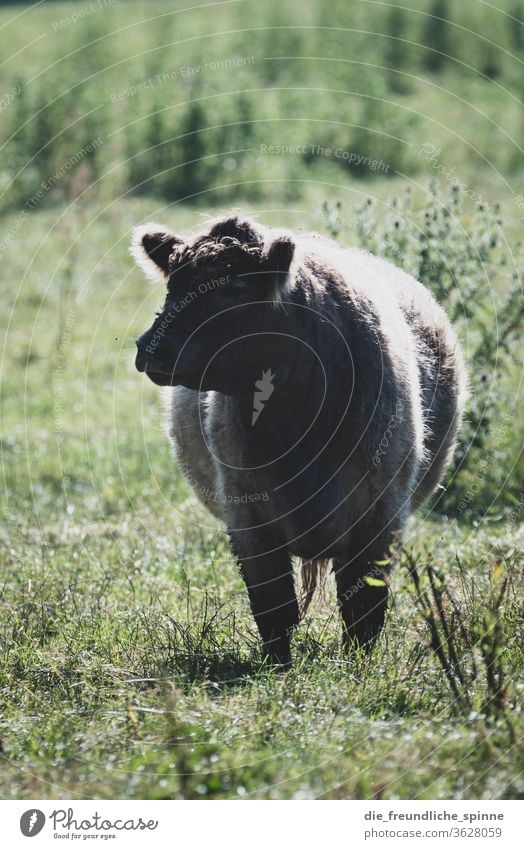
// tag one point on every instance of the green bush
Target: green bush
(464, 261)
(53, 129)
(436, 35)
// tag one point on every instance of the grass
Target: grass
(130, 669)
(129, 662)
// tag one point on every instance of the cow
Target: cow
(316, 395)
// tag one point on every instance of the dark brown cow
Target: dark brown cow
(317, 395)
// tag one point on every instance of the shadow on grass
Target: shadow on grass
(227, 669)
(224, 667)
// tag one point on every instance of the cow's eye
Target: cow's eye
(237, 285)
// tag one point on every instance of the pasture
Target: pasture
(129, 662)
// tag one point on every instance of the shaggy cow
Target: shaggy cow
(317, 395)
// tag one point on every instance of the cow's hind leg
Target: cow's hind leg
(363, 602)
(268, 574)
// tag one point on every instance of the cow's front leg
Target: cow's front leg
(268, 573)
(361, 590)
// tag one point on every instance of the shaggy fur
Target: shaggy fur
(367, 391)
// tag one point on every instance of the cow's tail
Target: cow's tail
(312, 574)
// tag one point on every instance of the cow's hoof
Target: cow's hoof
(277, 654)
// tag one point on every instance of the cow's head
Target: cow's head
(222, 320)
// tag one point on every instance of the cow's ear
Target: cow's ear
(151, 246)
(277, 258)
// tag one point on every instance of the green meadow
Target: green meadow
(129, 662)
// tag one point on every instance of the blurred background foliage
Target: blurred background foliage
(112, 110)
(219, 81)
(129, 662)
